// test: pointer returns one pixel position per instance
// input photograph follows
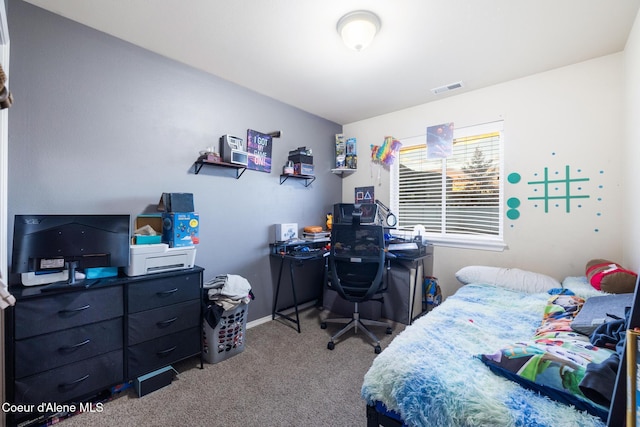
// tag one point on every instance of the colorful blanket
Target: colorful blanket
(432, 376)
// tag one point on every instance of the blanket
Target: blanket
(430, 373)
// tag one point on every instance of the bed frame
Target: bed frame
(617, 410)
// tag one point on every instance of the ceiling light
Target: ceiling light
(358, 28)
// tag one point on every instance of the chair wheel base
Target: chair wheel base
(377, 349)
(323, 325)
(389, 331)
(331, 345)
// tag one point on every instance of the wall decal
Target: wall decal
(553, 191)
(560, 188)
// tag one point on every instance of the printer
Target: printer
(158, 258)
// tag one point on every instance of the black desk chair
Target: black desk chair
(357, 272)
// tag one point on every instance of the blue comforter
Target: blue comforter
(430, 373)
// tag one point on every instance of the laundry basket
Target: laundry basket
(228, 337)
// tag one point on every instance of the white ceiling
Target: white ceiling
(290, 50)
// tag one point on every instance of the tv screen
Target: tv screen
(343, 212)
(45, 243)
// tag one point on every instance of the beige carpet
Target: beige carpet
(282, 378)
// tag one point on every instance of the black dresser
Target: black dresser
(70, 345)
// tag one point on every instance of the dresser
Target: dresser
(163, 321)
(69, 345)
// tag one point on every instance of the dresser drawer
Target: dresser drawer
(71, 381)
(151, 355)
(66, 310)
(150, 324)
(150, 294)
(50, 351)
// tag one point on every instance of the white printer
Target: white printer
(158, 258)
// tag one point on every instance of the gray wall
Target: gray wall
(101, 126)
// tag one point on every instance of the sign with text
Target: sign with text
(259, 150)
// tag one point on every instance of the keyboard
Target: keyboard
(402, 246)
(306, 253)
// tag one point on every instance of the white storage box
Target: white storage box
(286, 232)
(158, 258)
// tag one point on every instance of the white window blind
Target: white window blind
(456, 198)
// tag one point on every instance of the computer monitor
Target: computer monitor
(343, 213)
(49, 243)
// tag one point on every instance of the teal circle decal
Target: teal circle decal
(514, 178)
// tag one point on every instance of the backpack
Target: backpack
(431, 292)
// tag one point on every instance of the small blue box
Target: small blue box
(180, 229)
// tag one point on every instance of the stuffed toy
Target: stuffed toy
(608, 276)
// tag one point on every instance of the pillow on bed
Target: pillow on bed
(554, 361)
(511, 278)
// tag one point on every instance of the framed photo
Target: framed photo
(259, 151)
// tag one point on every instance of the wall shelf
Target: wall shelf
(198, 164)
(343, 171)
(308, 179)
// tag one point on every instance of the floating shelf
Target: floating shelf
(198, 164)
(308, 179)
(343, 171)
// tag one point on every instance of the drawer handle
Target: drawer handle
(72, 348)
(165, 323)
(67, 386)
(164, 353)
(73, 311)
(167, 293)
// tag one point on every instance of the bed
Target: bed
(454, 366)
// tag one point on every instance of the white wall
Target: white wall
(632, 149)
(566, 117)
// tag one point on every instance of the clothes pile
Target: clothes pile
(224, 293)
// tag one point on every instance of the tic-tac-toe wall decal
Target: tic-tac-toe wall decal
(554, 191)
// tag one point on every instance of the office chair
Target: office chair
(357, 272)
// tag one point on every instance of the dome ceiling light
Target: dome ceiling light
(358, 29)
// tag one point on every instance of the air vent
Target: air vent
(447, 88)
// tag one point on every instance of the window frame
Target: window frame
(466, 241)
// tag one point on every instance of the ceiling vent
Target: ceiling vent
(447, 88)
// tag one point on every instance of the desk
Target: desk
(403, 299)
(280, 253)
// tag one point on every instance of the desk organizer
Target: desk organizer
(228, 337)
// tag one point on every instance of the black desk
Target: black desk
(295, 261)
(396, 299)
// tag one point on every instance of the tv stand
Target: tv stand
(71, 267)
(72, 282)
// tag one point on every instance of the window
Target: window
(458, 200)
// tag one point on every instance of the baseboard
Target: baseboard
(266, 319)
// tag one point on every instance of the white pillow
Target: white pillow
(511, 278)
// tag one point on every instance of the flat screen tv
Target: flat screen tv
(343, 213)
(53, 243)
